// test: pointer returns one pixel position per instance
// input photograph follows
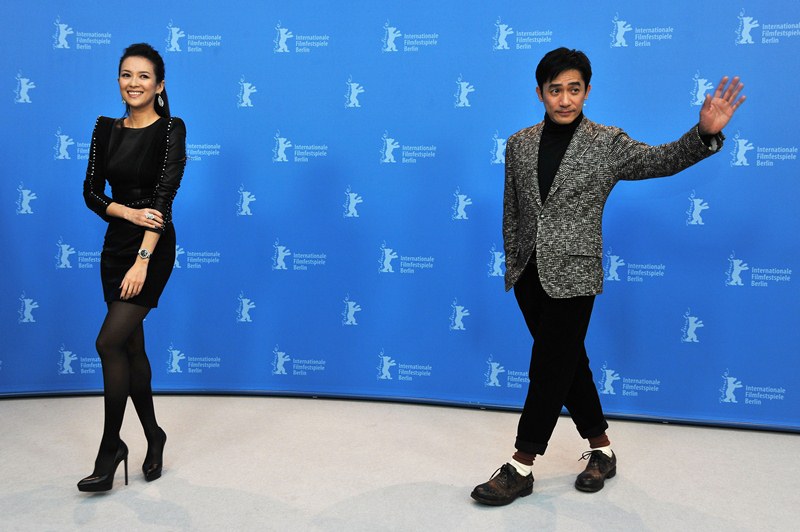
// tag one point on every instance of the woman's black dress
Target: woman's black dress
(144, 168)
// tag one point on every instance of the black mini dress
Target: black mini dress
(144, 168)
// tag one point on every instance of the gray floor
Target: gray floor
(265, 463)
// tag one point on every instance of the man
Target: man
(559, 174)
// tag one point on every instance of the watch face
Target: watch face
(144, 253)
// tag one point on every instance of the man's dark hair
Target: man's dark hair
(559, 60)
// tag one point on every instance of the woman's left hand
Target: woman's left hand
(133, 281)
(147, 217)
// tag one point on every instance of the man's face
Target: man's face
(563, 96)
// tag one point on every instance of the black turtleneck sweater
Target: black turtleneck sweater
(552, 147)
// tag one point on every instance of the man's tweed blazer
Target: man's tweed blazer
(566, 232)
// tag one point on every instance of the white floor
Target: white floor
(266, 463)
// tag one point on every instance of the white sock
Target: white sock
(606, 450)
(521, 468)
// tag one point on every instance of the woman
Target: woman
(142, 157)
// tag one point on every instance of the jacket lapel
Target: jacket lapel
(533, 175)
(580, 142)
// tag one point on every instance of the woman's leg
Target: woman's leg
(141, 394)
(140, 377)
(121, 321)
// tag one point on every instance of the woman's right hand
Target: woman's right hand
(146, 217)
(133, 281)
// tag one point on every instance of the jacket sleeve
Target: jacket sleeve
(631, 159)
(171, 170)
(94, 185)
(510, 209)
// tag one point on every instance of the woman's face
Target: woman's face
(137, 82)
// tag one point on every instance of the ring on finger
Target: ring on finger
(149, 215)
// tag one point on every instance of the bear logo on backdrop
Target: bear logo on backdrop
(390, 35)
(412, 42)
(387, 256)
(26, 196)
(22, 91)
(65, 361)
(243, 309)
(303, 44)
(497, 262)
(178, 252)
(243, 205)
(642, 36)
(607, 379)
(279, 256)
(493, 372)
(463, 90)
(758, 394)
(63, 142)
(729, 386)
(279, 151)
(524, 39)
(193, 364)
(354, 89)
(385, 364)
(388, 146)
(174, 35)
(759, 275)
(501, 34)
(746, 25)
(195, 260)
(282, 35)
(612, 266)
(174, 358)
(62, 32)
(300, 260)
(699, 89)
(350, 309)
(27, 306)
(498, 150)
(620, 28)
(246, 89)
(462, 201)
(733, 276)
(84, 40)
(772, 32)
(740, 148)
(514, 379)
(353, 199)
(279, 360)
(65, 251)
(457, 315)
(690, 326)
(696, 208)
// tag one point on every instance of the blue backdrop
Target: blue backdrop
(339, 220)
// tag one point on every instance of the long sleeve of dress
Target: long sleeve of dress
(171, 170)
(94, 185)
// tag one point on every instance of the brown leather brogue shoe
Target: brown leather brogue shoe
(505, 485)
(600, 468)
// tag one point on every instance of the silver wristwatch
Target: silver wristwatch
(145, 254)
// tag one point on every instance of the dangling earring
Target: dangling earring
(160, 100)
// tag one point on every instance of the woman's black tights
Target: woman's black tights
(126, 371)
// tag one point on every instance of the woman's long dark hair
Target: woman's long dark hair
(150, 53)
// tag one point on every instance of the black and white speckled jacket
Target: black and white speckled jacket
(566, 231)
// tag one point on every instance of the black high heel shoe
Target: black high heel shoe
(152, 470)
(103, 482)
